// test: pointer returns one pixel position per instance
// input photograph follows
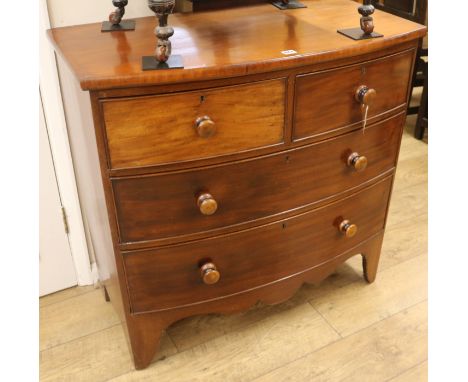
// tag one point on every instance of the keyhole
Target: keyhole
(202, 99)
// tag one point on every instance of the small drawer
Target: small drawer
(155, 130)
(204, 270)
(199, 201)
(326, 102)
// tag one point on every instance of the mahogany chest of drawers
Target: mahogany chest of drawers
(244, 175)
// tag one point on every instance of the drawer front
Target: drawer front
(155, 130)
(325, 101)
(165, 205)
(170, 277)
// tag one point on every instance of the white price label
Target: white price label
(288, 52)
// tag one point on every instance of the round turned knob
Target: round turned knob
(365, 96)
(205, 127)
(207, 204)
(348, 229)
(358, 162)
(209, 273)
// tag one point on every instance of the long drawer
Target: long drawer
(170, 128)
(170, 277)
(326, 101)
(166, 205)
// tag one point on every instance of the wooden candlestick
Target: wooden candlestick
(116, 16)
(367, 21)
(115, 22)
(162, 58)
(162, 8)
(366, 30)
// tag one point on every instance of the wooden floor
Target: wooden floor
(343, 330)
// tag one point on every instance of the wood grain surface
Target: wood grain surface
(350, 358)
(169, 277)
(164, 205)
(213, 45)
(145, 131)
(326, 100)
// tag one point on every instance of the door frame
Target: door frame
(49, 85)
(56, 267)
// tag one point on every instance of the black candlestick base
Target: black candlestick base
(292, 4)
(358, 34)
(124, 25)
(150, 63)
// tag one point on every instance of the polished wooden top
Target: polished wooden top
(225, 43)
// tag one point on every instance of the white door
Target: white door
(56, 268)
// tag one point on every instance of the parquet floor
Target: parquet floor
(343, 330)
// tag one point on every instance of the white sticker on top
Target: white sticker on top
(288, 52)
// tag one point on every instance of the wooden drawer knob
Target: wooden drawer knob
(207, 204)
(358, 162)
(205, 127)
(209, 273)
(365, 96)
(348, 229)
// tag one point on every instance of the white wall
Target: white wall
(67, 12)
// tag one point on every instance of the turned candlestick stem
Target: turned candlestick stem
(116, 16)
(367, 21)
(162, 9)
